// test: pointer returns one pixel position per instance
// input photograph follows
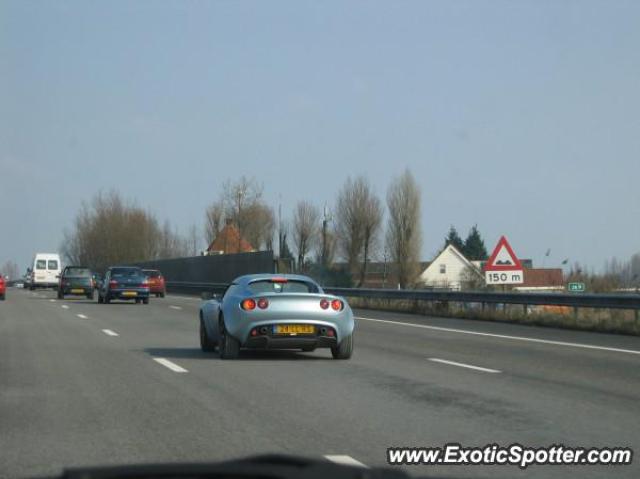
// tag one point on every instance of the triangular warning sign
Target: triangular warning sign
(503, 258)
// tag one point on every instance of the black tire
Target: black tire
(228, 346)
(90, 296)
(60, 295)
(3, 297)
(162, 295)
(100, 299)
(145, 300)
(206, 344)
(32, 288)
(106, 299)
(344, 350)
(138, 300)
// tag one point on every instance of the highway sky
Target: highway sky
(521, 117)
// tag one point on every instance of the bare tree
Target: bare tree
(214, 221)
(10, 270)
(192, 241)
(110, 230)
(358, 220)
(259, 221)
(240, 199)
(404, 238)
(305, 229)
(371, 211)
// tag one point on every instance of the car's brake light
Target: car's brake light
(324, 304)
(113, 283)
(145, 284)
(263, 303)
(336, 305)
(279, 280)
(248, 304)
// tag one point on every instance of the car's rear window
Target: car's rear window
(78, 272)
(53, 264)
(269, 286)
(152, 273)
(41, 264)
(126, 272)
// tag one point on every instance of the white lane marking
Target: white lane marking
(345, 460)
(504, 336)
(175, 307)
(462, 365)
(108, 332)
(82, 316)
(52, 300)
(168, 364)
(64, 306)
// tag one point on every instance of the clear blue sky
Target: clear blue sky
(522, 117)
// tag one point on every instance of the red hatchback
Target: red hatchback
(156, 282)
(3, 288)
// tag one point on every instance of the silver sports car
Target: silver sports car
(267, 311)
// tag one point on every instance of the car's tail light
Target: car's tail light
(145, 284)
(279, 280)
(324, 304)
(113, 283)
(336, 305)
(263, 303)
(248, 304)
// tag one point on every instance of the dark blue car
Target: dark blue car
(125, 283)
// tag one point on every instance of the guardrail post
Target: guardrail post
(483, 304)
(575, 312)
(526, 309)
(637, 311)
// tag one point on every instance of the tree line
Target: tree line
(110, 230)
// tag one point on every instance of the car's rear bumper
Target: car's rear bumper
(128, 293)
(78, 291)
(290, 342)
(157, 289)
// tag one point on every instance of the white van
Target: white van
(45, 270)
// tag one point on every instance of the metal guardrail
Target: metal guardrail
(575, 300)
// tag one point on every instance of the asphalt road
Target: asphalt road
(87, 384)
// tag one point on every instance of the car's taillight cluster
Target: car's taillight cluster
(113, 283)
(336, 304)
(251, 304)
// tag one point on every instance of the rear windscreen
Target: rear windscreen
(78, 272)
(268, 286)
(53, 264)
(41, 264)
(123, 272)
(152, 274)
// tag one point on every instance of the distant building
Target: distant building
(228, 241)
(541, 279)
(451, 270)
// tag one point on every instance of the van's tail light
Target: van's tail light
(248, 304)
(336, 305)
(113, 283)
(263, 303)
(324, 304)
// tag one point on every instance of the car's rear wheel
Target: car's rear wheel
(60, 294)
(2, 297)
(228, 346)
(90, 295)
(107, 299)
(205, 342)
(344, 350)
(145, 300)
(162, 295)
(100, 299)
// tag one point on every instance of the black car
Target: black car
(126, 283)
(76, 280)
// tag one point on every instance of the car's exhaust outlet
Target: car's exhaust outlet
(263, 330)
(323, 331)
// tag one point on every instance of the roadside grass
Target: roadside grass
(583, 319)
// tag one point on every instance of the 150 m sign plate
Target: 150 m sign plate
(504, 277)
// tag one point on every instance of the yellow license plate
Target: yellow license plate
(130, 293)
(294, 329)
(77, 291)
